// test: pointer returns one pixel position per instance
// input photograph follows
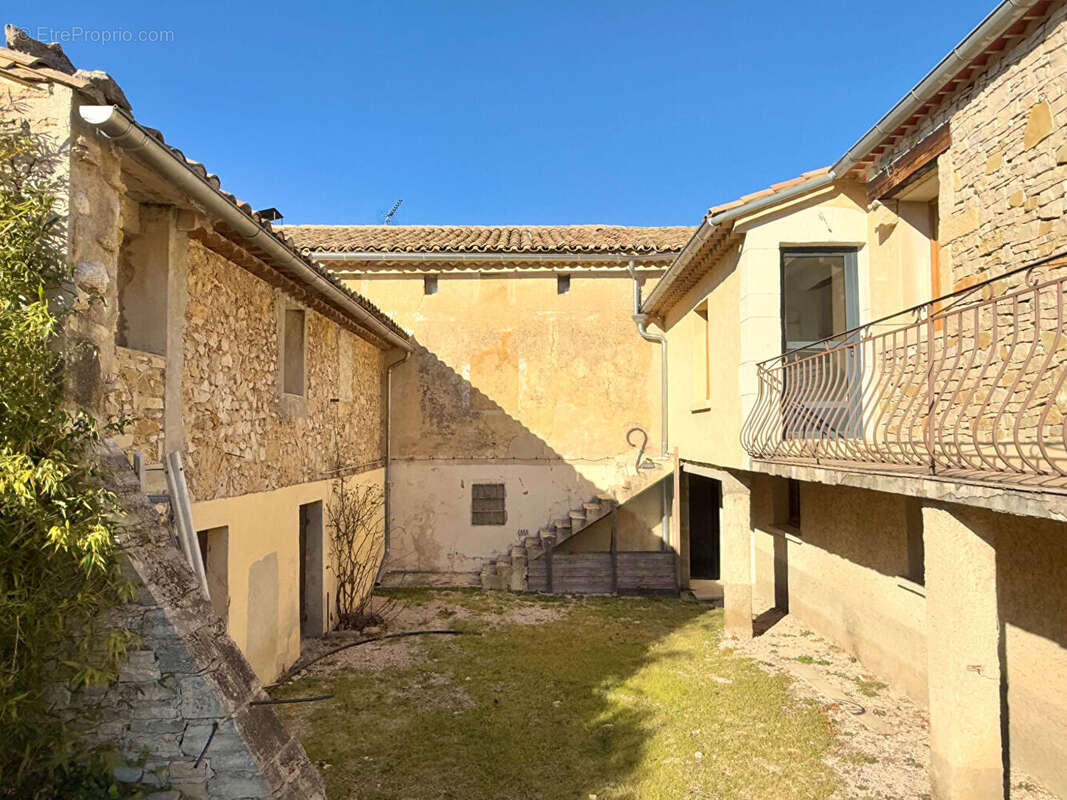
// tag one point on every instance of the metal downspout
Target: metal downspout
(641, 320)
(388, 481)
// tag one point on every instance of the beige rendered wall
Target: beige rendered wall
(263, 566)
(899, 259)
(743, 296)
(706, 425)
(1031, 562)
(845, 575)
(512, 383)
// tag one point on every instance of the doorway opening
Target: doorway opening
(214, 552)
(704, 552)
(311, 570)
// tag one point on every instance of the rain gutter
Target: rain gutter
(121, 129)
(973, 45)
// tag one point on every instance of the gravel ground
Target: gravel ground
(884, 736)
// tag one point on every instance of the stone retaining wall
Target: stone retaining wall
(185, 679)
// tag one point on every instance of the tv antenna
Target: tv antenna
(392, 212)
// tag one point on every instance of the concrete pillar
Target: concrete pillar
(736, 529)
(963, 647)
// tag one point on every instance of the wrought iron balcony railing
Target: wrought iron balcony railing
(970, 386)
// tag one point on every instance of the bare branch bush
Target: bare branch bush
(355, 517)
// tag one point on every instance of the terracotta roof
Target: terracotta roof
(713, 238)
(771, 190)
(503, 239)
(101, 89)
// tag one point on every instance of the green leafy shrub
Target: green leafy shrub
(58, 570)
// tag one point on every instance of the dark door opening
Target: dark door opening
(704, 560)
(311, 570)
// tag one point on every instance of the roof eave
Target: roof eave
(127, 133)
(445, 256)
(712, 222)
(995, 25)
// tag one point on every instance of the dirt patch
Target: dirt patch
(461, 611)
(370, 657)
(883, 736)
(530, 615)
(483, 610)
(434, 614)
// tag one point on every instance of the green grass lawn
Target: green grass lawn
(616, 698)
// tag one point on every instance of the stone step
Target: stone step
(592, 510)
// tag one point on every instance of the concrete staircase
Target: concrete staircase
(508, 571)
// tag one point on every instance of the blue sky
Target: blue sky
(496, 113)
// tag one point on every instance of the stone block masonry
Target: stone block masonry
(180, 712)
(1004, 178)
(241, 438)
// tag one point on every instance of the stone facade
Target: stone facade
(205, 382)
(1004, 178)
(136, 394)
(182, 713)
(239, 438)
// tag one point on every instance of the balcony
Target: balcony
(969, 387)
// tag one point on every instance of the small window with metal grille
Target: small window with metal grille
(488, 504)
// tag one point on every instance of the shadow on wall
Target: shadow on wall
(448, 435)
(1031, 563)
(263, 612)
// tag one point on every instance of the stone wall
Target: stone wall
(181, 713)
(1001, 201)
(239, 437)
(136, 394)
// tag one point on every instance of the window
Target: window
(563, 284)
(429, 284)
(819, 300)
(214, 551)
(488, 504)
(293, 352)
(819, 295)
